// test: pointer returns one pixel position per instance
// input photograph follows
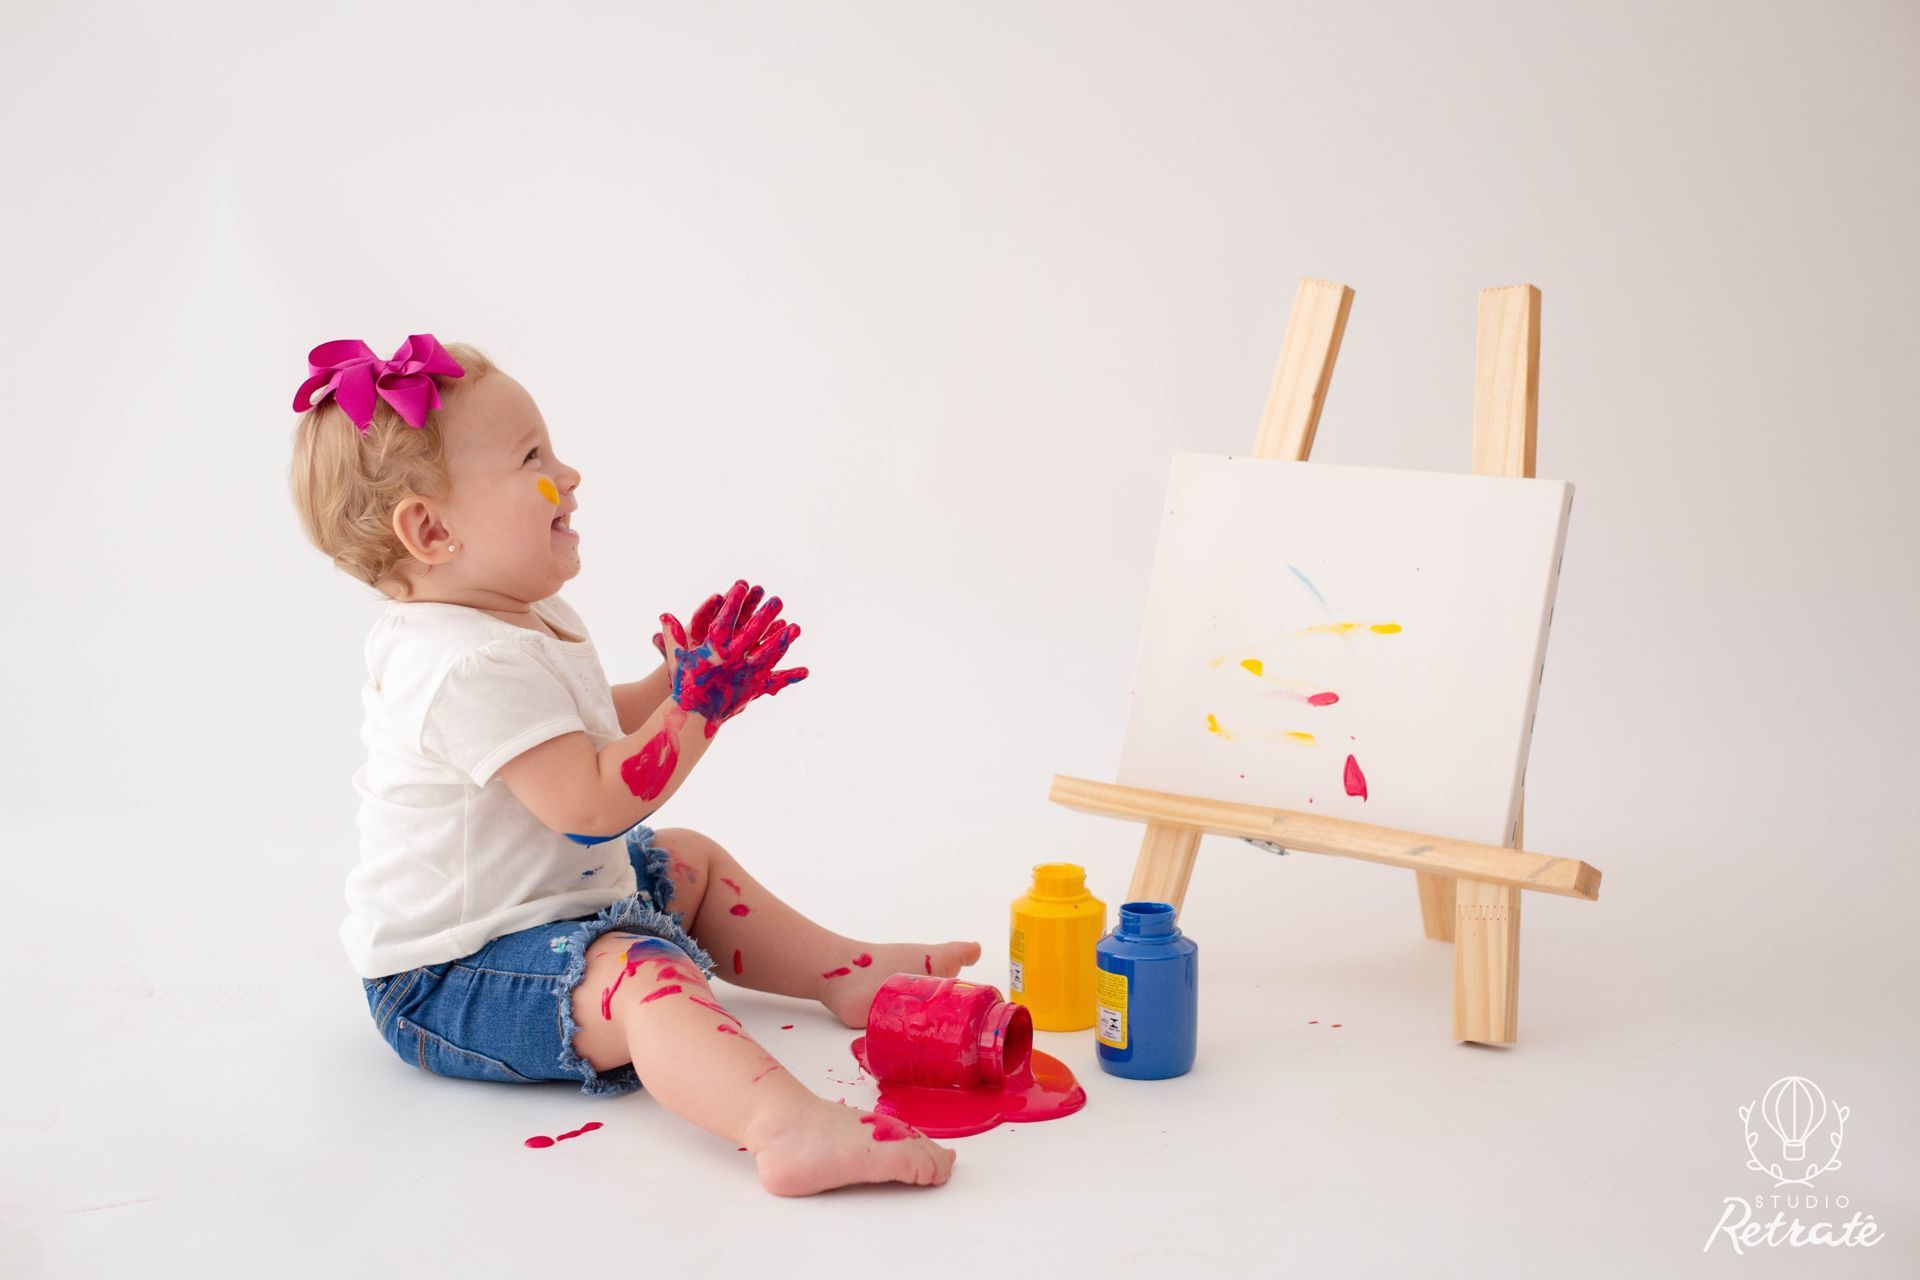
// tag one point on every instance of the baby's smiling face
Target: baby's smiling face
(498, 539)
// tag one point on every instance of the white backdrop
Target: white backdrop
(933, 293)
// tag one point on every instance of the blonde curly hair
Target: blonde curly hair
(346, 482)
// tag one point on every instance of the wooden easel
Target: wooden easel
(1469, 893)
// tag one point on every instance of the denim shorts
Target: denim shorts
(505, 1013)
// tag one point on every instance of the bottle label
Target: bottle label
(1111, 993)
(1017, 962)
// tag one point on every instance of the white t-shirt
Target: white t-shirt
(449, 857)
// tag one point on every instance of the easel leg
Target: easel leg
(1164, 866)
(1486, 957)
(1436, 905)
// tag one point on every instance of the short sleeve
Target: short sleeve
(492, 705)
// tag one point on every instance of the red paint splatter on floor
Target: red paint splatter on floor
(1336, 1024)
(731, 885)
(786, 1026)
(541, 1140)
(863, 959)
(1356, 781)
(739, 908)
(737, 966)
(1324, 699)
(1312, 1021)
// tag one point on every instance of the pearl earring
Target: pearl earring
(451, 548)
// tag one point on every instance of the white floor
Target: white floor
(197, 1089)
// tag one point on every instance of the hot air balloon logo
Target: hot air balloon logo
(1797, 1113)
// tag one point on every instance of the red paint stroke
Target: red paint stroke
(841, 972)
(786, 1026)
(887, 1129)
(863, 960)
(1312, 1021)
(633, 964)
(731, 885)
(717, 1009)
(739, 908)
(541, 1140)
(1336, 1024)
(769, 1071)
(737, 966)
(927, 962)
(651, 996)
(1323, 699)
(729, 1030)
(1356, 780)
(648, 771)
(676, 866)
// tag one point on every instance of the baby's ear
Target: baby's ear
(419, 530)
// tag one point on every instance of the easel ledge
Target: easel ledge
(1340, 837)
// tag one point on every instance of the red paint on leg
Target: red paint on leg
(863, 960)
(729, 1030)
(738, 968)
(928, 962)
(731, 885)
(717, 1009)
(841, 972)
(887, 1129)
(740, 909)
(651, 996)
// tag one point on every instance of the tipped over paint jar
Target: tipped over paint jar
(945, 1033)
(1056, 924)
(1149, 995)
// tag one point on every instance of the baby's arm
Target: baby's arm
(576, 790)
(636, 700)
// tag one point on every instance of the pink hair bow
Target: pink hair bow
(347, 369)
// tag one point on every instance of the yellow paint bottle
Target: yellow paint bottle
(1056, 926)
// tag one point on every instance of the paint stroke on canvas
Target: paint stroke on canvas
(1357, 641)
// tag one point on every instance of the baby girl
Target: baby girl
(510, 916)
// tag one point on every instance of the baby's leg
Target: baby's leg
(642, 1001)
(758, 941)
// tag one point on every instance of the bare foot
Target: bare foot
(820, 1145)
(850, 988)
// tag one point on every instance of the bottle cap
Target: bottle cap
(1061, 880)
(1147, 920)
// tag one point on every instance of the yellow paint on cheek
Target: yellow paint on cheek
(547, 490)
(1252, 664)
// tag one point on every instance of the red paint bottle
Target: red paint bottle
(945, 1033)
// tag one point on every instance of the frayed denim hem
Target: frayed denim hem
(638, 914)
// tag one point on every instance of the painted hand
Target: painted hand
(703, 618)
(732, 663)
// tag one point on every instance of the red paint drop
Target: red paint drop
(1336, 1024)
(737, 966)
(786, 1026)
(1356, 780)
(739, 1148)
(1312, 1021)
(651, 996)
(541, 1140)
(739, 908)
(1324, 699)
(731, 885)
(863, 959)
(841, 972)
(928, 962)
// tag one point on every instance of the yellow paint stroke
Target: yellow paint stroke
(1251, 664)
(1213, 726)
(547, 490)
(1299, 736)
(1326, 628)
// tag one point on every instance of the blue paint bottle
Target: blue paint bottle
(1148, 994)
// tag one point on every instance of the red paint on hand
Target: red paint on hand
(739, 909)
(725, 663)
(1356, 781)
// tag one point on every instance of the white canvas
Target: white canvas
(1302, 568)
